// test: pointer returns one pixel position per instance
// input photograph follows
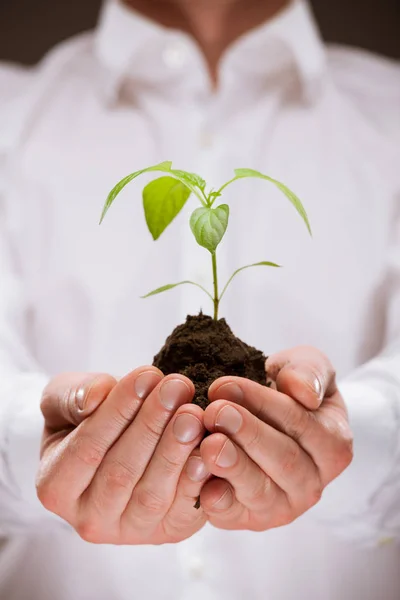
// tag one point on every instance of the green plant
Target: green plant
(164, 198)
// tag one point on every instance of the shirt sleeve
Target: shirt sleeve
(21, 378)
(364, 502)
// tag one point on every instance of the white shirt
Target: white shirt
(131, 94)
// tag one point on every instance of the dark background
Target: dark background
(28, 28)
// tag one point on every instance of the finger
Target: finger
(192, 479)
(252, 487)
(66, 473)
(276, 454)
(127, 460)
(186, 514)
(183, 519)
(274, 408)
(221, 507)
(304, 373)
(71, 397)
(154, 495)
(324, 434)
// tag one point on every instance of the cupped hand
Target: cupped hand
(119, 459)
(273, 451)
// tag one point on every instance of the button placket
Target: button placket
(191, 557)
(196, 567)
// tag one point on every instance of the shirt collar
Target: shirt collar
(130, 46)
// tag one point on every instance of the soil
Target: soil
(204, 350)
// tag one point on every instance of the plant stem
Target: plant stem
(206, 198)
(227, 183)
(215, 279)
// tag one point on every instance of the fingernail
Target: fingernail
(318, 388)
(173, 393)
(145, 383)
(311, 380)
(231, 392)
(229, 419)
(187, 428)
(228, 455)
(80, 397)
(82, 394)
(195, 469)
(225, 501)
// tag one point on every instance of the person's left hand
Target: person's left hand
(273, 451)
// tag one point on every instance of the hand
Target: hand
(274, 450)
(118, 459)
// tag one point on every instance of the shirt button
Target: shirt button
(174, 55)
(195, 567)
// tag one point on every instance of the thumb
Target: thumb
(70, 398)
(304, 373)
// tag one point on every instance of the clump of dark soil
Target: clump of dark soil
(204, 350)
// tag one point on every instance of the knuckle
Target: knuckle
(150, 503)
(285, 517)
(176, 528)
(125, 410)
(290, 458)
(88, 450)
(315, 494)
(119, 475)
(346, 454)
(171, 464)
(47, 495)
(89, 531)
(263, 494)
(296, 422)
(153, 430)
(313, 488)
(279, 515)
(255, 438)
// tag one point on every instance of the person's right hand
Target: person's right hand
(119, 459)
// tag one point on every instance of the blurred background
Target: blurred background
(28, 28)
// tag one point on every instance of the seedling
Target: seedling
(164, 198)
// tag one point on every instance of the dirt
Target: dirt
(204, 350)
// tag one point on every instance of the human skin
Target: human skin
(113, 456)
(124, 461)
(214, 24)
(273, 452)
(121, 461)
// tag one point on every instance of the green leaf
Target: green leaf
(263, 263)
(164, 166)
(209, 225)
(241, 173)
(170, 286)
(191, 179)
(163, 199)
